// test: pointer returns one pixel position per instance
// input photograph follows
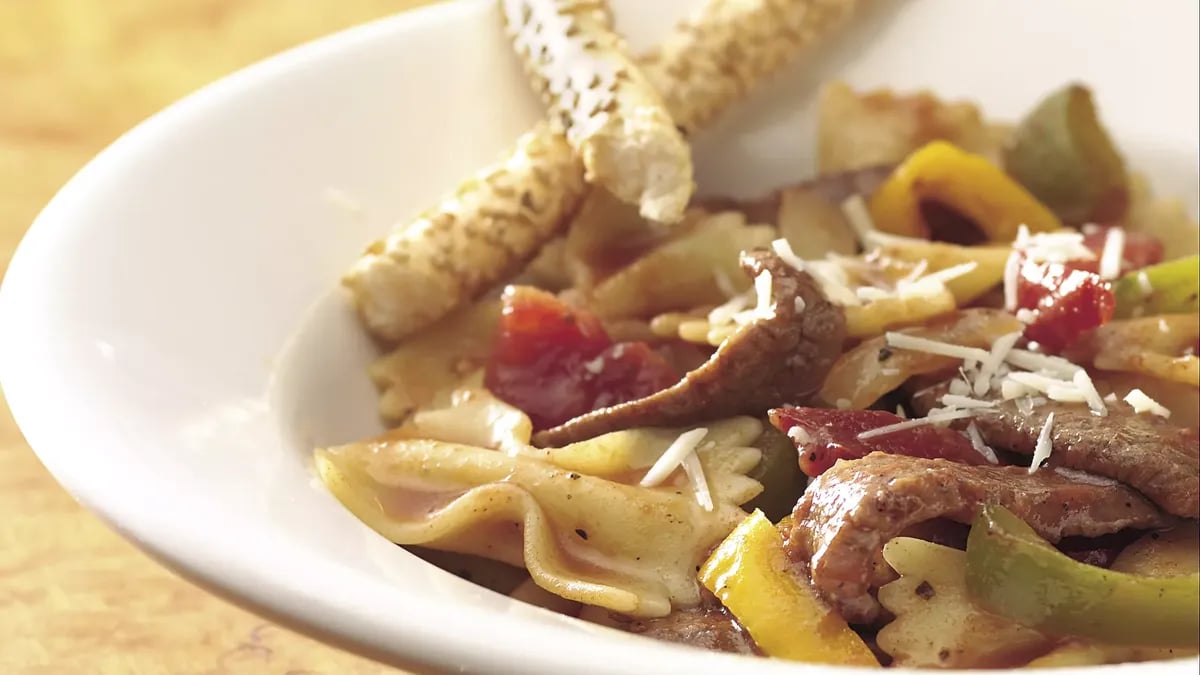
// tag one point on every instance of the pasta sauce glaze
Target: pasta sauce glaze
(556, 362)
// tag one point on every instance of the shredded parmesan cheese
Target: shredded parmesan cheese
(799, 435)
(871, 293)
(959, 387)
(950, 273)
(784, 250)
(1041, 451)
(1144, 284)
(673, 456)
(989, 367)
(723, 314)
(1038, 381)
(1065, 394)
(1010, 389)
(1084, 383)
(799, 304)
(901, 412)
(835, 289)
(1113, 254)
(1028, 360)
(1142, 403)
(1053, 247)
(981, 447)
(855, 209)
(695, 474)
(1012, 277)
(956, 401)
(920, 344)
(765, 307)
(932, 418)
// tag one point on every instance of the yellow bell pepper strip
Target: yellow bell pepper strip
(748, 573)
(1172, 287)
(967, 184)
(1061, 153)
(1014, 573)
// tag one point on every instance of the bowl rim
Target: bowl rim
(446, 638)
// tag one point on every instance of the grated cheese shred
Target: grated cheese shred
(920, 344)
(1041, 451)
(1084, 383)
(673, 456)
(1000, 349)
(695, 474)
(1113, 253)
(981, 447)
(835, 289)
(931, 418)
(956, 401)
(855, 209)
(1142, 403)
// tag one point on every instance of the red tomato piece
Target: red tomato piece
(1066, 302)
(556, 362)
(829, 435)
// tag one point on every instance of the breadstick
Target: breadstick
(454, 253)
(486, 232)
(716, 56)
(613, 116)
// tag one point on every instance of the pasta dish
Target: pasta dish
(934, 407)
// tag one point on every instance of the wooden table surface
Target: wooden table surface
(74, 74)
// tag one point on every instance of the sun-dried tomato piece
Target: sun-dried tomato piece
(824, 436)
(1066, 302)
(556, 362)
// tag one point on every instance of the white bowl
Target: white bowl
(181, 344)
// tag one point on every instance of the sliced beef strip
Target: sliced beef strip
(768, 362)
(708, 626)
(1146, 452)
(848, 514)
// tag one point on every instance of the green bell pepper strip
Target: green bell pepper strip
(1172, 287)
(779, 473)
(1014, 573)
(1061, 153)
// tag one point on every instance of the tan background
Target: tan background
(74, 74)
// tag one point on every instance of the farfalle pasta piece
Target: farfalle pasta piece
(726, 454)
(625, 548)
(472, 415)
(435, 360)
(936, 625)
(685, 272)
(611, 113)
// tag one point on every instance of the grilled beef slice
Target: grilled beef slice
(848, 514)
(1150, 454)
(768, 362)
